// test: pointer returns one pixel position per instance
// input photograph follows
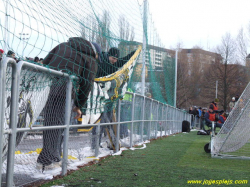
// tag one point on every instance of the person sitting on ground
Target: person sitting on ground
(210, 117)
(222, 117)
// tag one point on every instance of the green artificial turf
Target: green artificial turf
(169, 161)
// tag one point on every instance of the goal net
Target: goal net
(233, 138)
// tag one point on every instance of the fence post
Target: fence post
(156, 122)
(177, 120)
(169, 119)
(166, 122)
(118, 127)
(161, 119)
(67, 122)
(173, 120)
(180, 113)
(150, 123)
(2, 93)
(192, 121)
(16, 68)
(143, 114)
(97, 139)
(174, 124)
(3, 67)
(132, 119)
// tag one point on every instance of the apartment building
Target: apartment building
(155, 55)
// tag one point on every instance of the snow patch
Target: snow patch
(133, 148)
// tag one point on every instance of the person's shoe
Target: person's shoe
(47, 159)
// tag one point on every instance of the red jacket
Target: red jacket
(215, 107)
(224, 118)
(209, 117)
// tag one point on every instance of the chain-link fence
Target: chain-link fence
(41, 138)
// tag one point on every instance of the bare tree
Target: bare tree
(183, 91)
(198, 71)
(83, 28)
(132, 34)
(89, 28)
(104, 33)
(227, 51)
(127, 34)
(229, 74)
(190, 80)
(125, 29)
(242, 44)
(178, 46)
(122, 26)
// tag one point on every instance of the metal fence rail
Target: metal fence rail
(138, 120)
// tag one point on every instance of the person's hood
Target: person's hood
(79, 44)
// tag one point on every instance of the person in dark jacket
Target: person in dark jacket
(222, 117)
(36, 59)
(194, 113)
(210, 117)
(236, 98)
(85, 60)
(203, 117)
(110, 61)
(75, 57)
(11, 54)
(192, 116)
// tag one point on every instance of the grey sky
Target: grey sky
(192, 22)
(198, 22)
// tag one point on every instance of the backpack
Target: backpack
(185, 126)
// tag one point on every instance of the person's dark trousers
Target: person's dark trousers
(54, 113)
(216, 124)
(107, 117)
(202, 123)
(94, 135)
(125, 116)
